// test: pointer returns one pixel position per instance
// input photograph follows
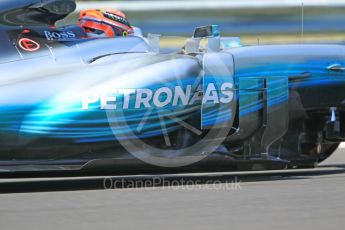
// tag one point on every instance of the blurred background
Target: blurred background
(264, 21)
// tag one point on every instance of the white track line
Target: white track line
(206, 5)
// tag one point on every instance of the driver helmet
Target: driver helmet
(105, 23)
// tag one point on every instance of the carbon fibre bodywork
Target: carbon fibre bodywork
(67, 102)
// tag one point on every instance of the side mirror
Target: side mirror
(206, 32)
(154, 41)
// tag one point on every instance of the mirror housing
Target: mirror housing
(154, 41)
(207, 32)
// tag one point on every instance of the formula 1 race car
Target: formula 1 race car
(73, 103)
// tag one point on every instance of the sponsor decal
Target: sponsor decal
(160, 98)
(59, 35)
(116, 18)
(28, 45)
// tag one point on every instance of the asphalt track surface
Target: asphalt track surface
(299, 199)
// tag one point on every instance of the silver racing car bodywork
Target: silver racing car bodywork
(68, 102)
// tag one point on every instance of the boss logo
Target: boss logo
(57, 35)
